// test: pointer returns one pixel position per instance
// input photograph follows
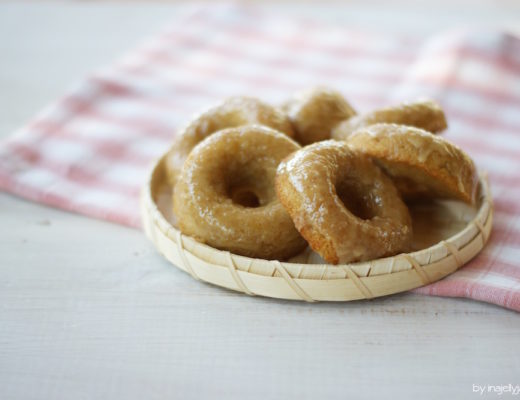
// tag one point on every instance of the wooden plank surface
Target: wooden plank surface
(89, 310)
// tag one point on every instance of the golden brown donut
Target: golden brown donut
(234, 111)
(225, 194)
(424, 114)
(343, 204)
(315, 112)
(420, 163)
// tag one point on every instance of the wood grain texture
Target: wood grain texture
(89, 310)
(121, 322)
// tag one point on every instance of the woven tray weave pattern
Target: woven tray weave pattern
(301, 279)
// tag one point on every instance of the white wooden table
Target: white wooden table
(77, 322)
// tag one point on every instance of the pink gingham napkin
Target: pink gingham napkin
(89, 152)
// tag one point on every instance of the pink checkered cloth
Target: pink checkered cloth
(90, 151)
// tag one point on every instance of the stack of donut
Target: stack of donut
(265, 182)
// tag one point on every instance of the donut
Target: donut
(424, 114)
(232, 112)
(342, 203)
(420, 163)
(225, 194)
(313, 114)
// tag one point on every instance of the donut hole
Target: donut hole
(356, 198)
(248, 184)
(244, 196)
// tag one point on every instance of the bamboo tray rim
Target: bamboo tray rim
(417, 268)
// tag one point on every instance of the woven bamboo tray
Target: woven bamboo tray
(447, 234)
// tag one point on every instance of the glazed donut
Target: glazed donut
(420, 163)
(343, 204)
(225, 194)
(313, 114)
(232, 112)
(424, 114)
